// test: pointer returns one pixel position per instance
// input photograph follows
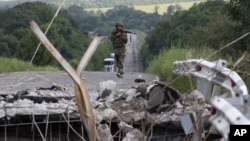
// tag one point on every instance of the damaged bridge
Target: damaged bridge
(89, 106)
(41, 106)
(138, 107)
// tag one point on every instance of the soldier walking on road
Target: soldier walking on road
(119, 40)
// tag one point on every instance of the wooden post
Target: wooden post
(82, 97)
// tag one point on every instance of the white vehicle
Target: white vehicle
(109, 65)
(112, 55)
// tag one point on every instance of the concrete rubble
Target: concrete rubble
(129, 110)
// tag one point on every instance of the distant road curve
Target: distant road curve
(132, 61)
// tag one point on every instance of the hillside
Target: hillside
(71, 31)
(96, 3)
(17, 41)
(161, 8)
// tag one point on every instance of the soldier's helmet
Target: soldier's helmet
(119, 24)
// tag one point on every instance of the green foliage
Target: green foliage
(103, 51)
(14, 65)
(141, 36)
(21, 15)
(238, 10)
(18, 40)
(202, 24)
(203, 14)
(163, 66)
(103, 23)
(8, 44)
(242, 68)
(68, 36)
(171, 10)
(156, 39)
(205, 24)
(87, 20)
(93, 3)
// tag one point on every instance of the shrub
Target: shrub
(163, 66)
(14, 65)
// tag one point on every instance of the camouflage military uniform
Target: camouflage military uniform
(119, 40)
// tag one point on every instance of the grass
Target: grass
(15, 65)
(151, 8)
(163, 66)
(163, 7)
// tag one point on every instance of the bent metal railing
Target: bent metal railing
(231, 106)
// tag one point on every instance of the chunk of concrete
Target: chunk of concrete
(125, 127)
(131, 92)
(195, 97)
(98, 116)
(108, 114)
(134, 135)
(104, 133)
(109, 84)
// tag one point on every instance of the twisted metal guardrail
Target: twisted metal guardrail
(231, 104)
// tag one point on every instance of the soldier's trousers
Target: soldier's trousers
(120, 56)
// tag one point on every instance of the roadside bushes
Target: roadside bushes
(15, 65)
(163, 66)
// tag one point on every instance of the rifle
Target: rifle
(125, 31)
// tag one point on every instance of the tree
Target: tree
(171, 10)
(195, 27)
(102, 24)
(21, 15)
(8, 44)
(102, 52)
(17, 40)
(239, 11)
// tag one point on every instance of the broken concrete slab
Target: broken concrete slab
(113, 108)
(134, 135)
(104, 133)
(108, 114)
(109, 85)
(28, 107)
(125, 127)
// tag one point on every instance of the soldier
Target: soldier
(119, 40)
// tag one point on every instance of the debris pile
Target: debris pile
(137, 113)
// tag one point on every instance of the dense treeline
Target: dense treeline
(239, 12)
(103, 23)
(208, 25)
(205, 24)
(93, 3)
(69, 32)
(17, 40)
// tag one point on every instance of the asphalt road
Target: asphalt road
(132, 62)
(11, 83)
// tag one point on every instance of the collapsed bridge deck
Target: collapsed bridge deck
(43, 106)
